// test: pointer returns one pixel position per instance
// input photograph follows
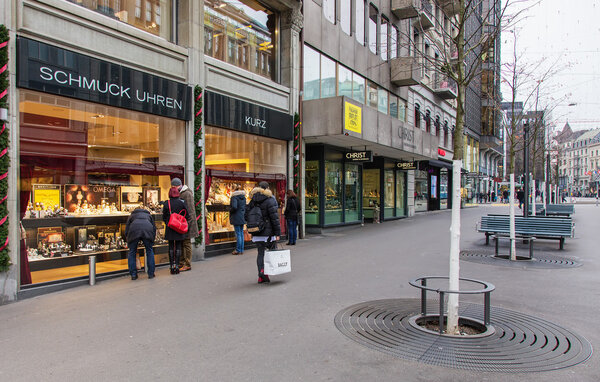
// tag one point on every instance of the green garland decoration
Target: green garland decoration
(198, 153)
(4, 160)
(297, 125)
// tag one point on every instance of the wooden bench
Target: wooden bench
(560, 209)
(500, 236)
(540, 227)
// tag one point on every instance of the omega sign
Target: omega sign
(359, 156)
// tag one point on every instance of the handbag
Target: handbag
(247, 236)
(277, 261)
(177, 222)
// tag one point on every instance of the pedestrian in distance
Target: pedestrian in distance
(263, 224)
(237, 210)
(292, 209)
(186, 194)
(140, 227)
(521, 197)
(174, 206)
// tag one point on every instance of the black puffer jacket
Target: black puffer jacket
(140, 225)
(268, 205)
(177, 205)
(292, 208)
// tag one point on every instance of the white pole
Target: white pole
(453, 279)
(513, 249)
(532, 204)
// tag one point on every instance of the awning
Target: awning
(439, 163)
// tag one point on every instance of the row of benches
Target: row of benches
(557, 228)
(553, 209)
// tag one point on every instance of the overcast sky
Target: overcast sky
(562, 34)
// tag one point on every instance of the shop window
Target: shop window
(246, 30)
(372, 95)
(333, 192)
(383, 38)
(373, 15)
(360, 21)
(329, 10)
(345, 15)
(83, 168)
(388, 193)
(312, 74)
(158, 22)
(400, 193)
(358, 88)
(371, 192)
(393, 106)
(312, 193)
(383, 100)
(328, 80)
(344, 81)
(421, 190)
(352, 193)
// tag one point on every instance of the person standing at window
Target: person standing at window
(292, 209)
(186, 194)
(174, 206)
(236, 218)
(140, 226)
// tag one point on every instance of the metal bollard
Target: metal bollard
(145, 261)
(92, 260)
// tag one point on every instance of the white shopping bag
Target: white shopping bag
(277, 261)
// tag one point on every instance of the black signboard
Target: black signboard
(223, 111)
(406, 165)
(54, 70)
(359, 156)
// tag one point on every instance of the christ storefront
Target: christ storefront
(96, 140)
(245, 144)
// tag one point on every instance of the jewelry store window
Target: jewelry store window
(152, 16)
(242, 33)
(83, 168)
(235, 159)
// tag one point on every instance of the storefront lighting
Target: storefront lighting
(98, 116)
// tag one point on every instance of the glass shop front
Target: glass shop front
(84, 166)
(349, 187)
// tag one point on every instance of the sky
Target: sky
(563, 35)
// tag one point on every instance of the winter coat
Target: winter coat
(188, 197)
(292, 208)
(177, 205)
(238, 208)
(268, 206)
(140, 225)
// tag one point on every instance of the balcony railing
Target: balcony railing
(406, 9)
(444, 87)
(405, 71)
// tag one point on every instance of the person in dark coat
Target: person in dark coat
(237, 211)
(292, 209)
(263, 197)
(140, 226)
(174, 206)
(186, 194)
(521, 197)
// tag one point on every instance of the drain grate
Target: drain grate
(521, 343)
(539, 260)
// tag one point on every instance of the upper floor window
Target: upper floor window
(383, 38)
(151, 16)
(373, 15)
(360, 21)
(437, 126)
(329, 10)
(346, 15)
(445, 133)
(241, 33)
(383, 100)
(428, 121)
(417, 116)
(394, 39)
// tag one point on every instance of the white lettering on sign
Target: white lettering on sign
(255, 122)
(361, 155)
(104, 189)
(115, 90)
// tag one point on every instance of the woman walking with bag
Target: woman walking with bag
(263, 223)
(292, 209)
(174, 206)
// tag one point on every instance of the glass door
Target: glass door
(352, 193)
(389, 195)
(400, 193)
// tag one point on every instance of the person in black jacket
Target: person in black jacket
(292, 209)
(263, 197)
(140, 226)
(174, 206)
(236, 218)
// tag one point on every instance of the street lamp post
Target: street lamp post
(526, 168)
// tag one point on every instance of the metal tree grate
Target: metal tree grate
(521, 343)
(539, 261)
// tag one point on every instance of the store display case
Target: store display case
(217, 207)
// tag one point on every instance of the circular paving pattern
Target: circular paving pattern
(540, 260)
(521, 343)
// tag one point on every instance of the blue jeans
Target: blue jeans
(239, 238)
(149, 257)
(292, 226)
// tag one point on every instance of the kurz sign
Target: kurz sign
(54, 70)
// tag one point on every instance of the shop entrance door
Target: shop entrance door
(371, 192)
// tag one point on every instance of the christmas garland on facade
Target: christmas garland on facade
(296, 187)
(198, 152)
(4, 160)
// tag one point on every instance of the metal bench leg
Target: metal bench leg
(530, 249)
(497, 240)
(487, 239)
(562, 243)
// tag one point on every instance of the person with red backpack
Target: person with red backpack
(262, 221)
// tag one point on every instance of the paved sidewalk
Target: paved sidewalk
(215, 323)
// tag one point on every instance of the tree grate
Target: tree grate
(541, 260)
(520, 343)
